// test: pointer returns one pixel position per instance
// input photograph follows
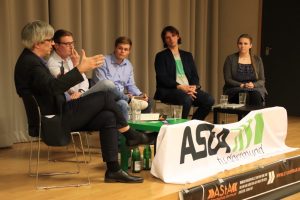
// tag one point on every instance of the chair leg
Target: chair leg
(38, 174)
(79, 146)
(75, 151)
(30, 158)
(88, 146)
(38, 164)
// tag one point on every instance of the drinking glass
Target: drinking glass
(136, 110)
(177, 111)
(129, 110)
(242, 98)
(224, 101)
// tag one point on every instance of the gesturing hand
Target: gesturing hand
(75, 95)
(89, 63)
(145, 97)
(74, 57)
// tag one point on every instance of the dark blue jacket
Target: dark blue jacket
(165, 68)
(32, 77)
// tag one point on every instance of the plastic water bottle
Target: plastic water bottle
(147, 157)
(136, 160)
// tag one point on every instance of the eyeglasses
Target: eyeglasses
(48, 40)
(67, 43)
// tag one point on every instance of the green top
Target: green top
(154, 125)
(180, 75)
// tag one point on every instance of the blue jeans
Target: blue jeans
(109, 86)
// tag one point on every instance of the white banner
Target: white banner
(195, 150)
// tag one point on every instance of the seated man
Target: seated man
(118, 69)
(96, 111)
(65, 57)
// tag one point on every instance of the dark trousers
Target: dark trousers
(254, 98)
(204, 102)
(150, 105)
(97, 112)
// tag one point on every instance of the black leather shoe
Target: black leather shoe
(142, 138)
(122, 177)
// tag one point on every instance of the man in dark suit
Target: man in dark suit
(96, 111)
(177, 81)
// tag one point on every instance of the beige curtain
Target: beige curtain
(96, 24)
(14, 14)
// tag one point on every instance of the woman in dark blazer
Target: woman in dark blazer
(177, 80)
(244, 73)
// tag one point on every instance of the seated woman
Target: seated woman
(177, 80)
(244, 72)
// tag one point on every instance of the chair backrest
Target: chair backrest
(33, 115)
(49, 129)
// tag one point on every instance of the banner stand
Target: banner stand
(273, 181)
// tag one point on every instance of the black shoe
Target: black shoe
(122, 177)
(141, 138)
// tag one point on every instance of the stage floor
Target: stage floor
(16, 184)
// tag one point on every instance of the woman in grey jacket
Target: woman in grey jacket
(244, 72)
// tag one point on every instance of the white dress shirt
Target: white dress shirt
(54, 64)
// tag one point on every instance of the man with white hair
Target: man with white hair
(96, 111)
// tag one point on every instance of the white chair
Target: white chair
(34, 119)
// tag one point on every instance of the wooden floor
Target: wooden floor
(16, 184)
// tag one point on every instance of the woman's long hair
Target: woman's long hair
(253, 61)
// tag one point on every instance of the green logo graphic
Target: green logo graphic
(245, 129)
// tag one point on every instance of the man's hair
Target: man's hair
(123, 40)
(172, 30)
(61, 33)
(35, 32)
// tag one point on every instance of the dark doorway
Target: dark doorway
(280, 51)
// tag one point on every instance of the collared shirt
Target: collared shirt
(43, 61)
(54, 64)
(121, 74)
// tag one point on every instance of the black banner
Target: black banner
(272, 181)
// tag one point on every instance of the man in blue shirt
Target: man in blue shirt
(118, 69)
